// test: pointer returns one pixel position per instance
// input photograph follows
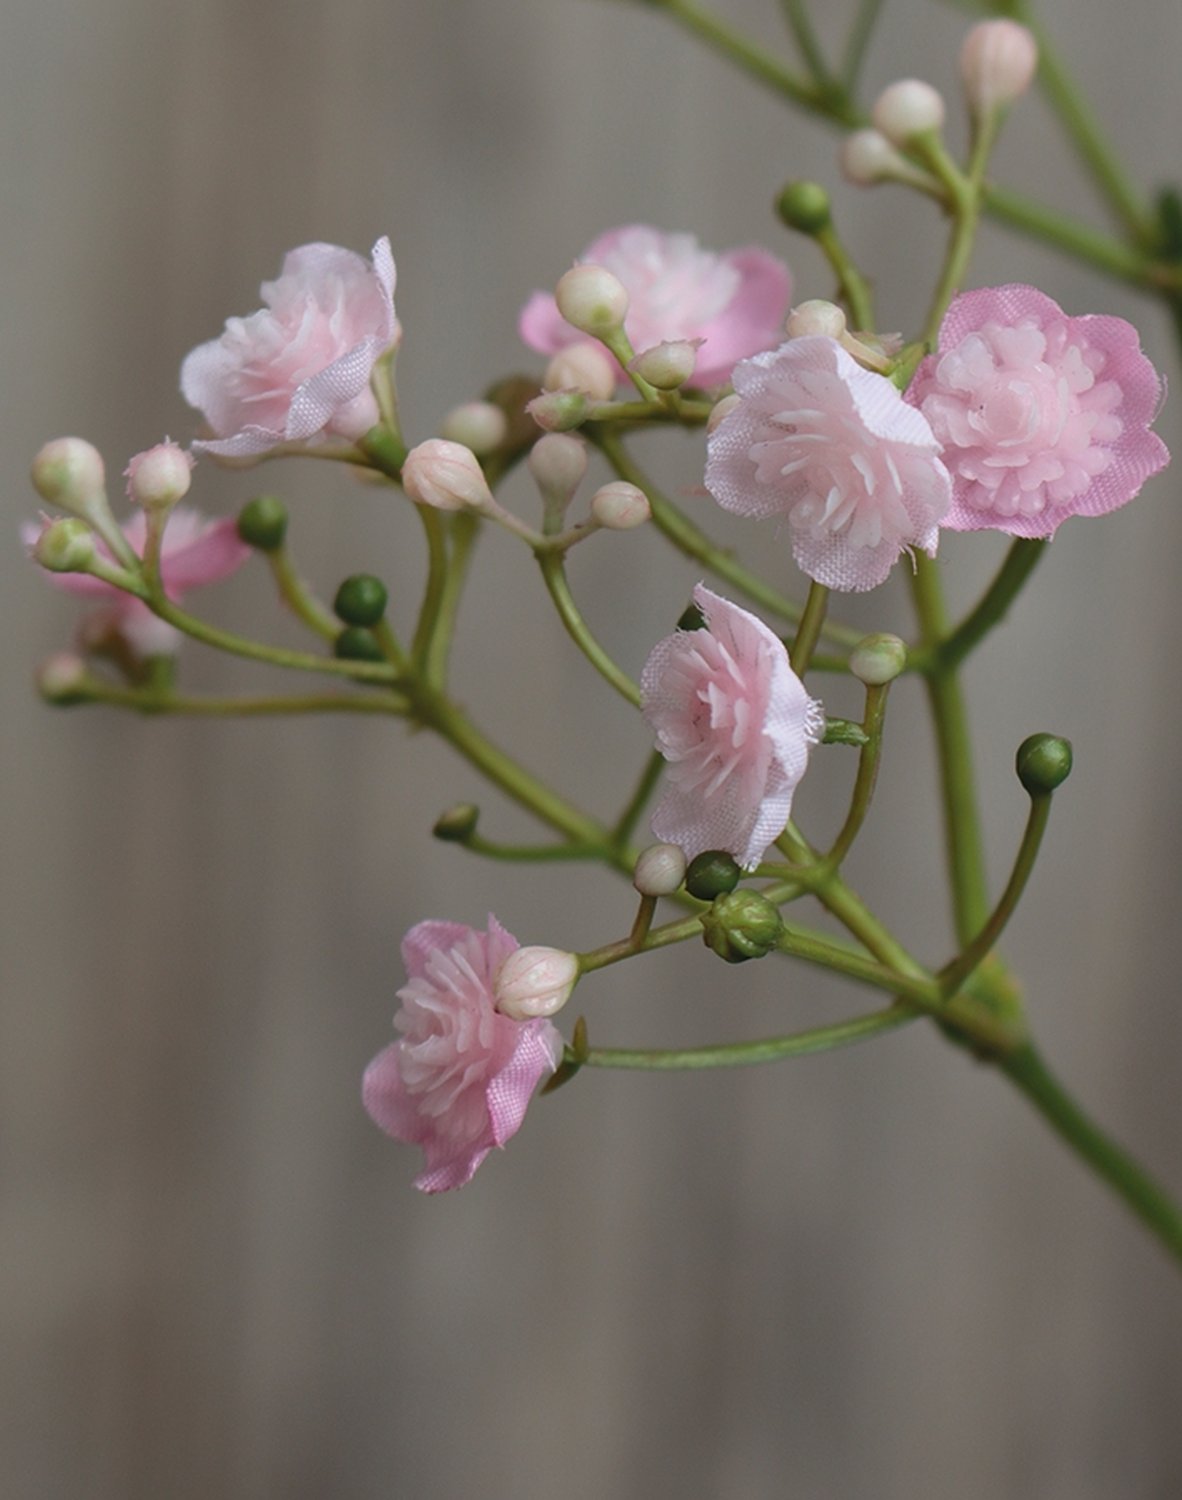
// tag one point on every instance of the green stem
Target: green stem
(529, 853)
(856, 43)
(809, 630)
(556, 582)
(464, 530)
(852, 285)
(868, 761)
(1020, 561)
(638, 801)
(298, 597)
(150, 702)
(1079, 240)
(801, 25)
(437, 569)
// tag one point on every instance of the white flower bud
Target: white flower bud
(535, 982)
(65, 546)
(667, 365)
(908, 108)
(446, 476)
(660, 870)
(878, 659)
(159, 477)
(620, 506)
(592, 300)
(720, 411)
(558, 463)
(68, 472)
(819, 317)
(582, 367)
(998, 61)
(478, 425)
(867, 157)
(62, 677)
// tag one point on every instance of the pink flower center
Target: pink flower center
(716, 736)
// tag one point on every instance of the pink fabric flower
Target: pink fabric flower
(195, 552)
(1042, 416)
(459, 1079)
(735, 724)
(298, 370)
(734, 302)
(832, 447)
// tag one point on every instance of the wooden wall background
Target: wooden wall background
(869, 1274)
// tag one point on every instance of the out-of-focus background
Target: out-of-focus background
(873, 1273)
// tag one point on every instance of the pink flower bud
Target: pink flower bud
(908, 108)
(620, 506)
(592, 300)
(446, 476)
(68, 472)
(998, 62)
(534, 982)
(825, 318)
(660, 870)
(667, 365)
(159, 477)
(582, 367)
(558, 463)
(478, 425)
(867, 157)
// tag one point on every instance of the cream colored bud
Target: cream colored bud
(558, 411)
(668, 365)
(65, 546)
(582, 367)
(620, 506)
(61, 678)
(720, 411)
(867, 157)
(592, 300)
(558, 463)
(816, 317)
(878, 659)
(535, 982)
(478, 425)
(446, 476)
(160, 477)
(908, 108)
(998, 61)
(660, 870)
(69, 472)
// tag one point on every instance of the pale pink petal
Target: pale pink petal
(753, 319)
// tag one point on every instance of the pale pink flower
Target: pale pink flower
(194, 552)
(834, 449)
(733, 302)
(459, 1079)
(735, 725)
(1041, 416)
(298, 371)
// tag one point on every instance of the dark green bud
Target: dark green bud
(1043, 763)
(457, 824)
(355, 643)
(742, 925)
(692, 618)
(712, 873)
(804, 206)
(361, 600)
(262, 522)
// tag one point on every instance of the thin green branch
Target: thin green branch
(857, 42)
(556, 581)
(1020, 561)
(639, 799)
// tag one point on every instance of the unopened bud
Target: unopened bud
(534, 982)
(558, 411)
(660, 870)
(620, 506)
(159, 477)
(446, 476)
(557, 463)
(65, 546)
(667, 365)
(720, 411)
(878, 659)
(361, 600)
(998, 61)
(908, 108)
(867, 157)
(742, 925)
(478, 425)
(457, 824)
(804, 206)
(582, 367)
(61, 678)
(262, 523)
(592, 300)
(68, 472)
(355, 643)
(1043, 763)
(816, 317)
(712, 873)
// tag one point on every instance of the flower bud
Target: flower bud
(1043, 763)
(262, 523)
(998, 61)
(61, 678)
(719, 411)
(742, 925)
(620, 506)
(68, 472)
(446, 476)
(667, 365)
(457, 824)
(816, 316)
(159, 477)
(558, 411)
(867, 157)
(712, 873)
(804, 206)
(65, 546)
(878, 659)
(660, 870)
(908, 108)
(478, 425)
(534, 982)
(355, 643)
(557, 463)
(361, 600)
(582, 367)
(592, 300)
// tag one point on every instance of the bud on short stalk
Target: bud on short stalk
(878, 659)
(61, 678)
(582, 367)
(479, 426)
(998, 61)
(592, 300)
(65, 546)
(558, 411)
(668, 365)
(535, 982)
(68, 472)
(816, 317)
(262, 523)
(908, 109)
(804, 206)
(1043, 763)
(159, 477)
(446, 476)
(660, 870)
(867, 157)
(557, 464)
(620, 506)
(742, 925)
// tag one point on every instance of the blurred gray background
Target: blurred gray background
(869, 1274)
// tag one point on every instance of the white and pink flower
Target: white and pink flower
(835, 450)
(733, 302)
(1041, 416)
(298, 371)
(460, 1077)
(735, 724)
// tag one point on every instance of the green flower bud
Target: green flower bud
(558, 411)
(804, 206)
(355, 643)
(1043, 763)
(65, 546)
(457, 824)
(361, 600)
(712, 873)
(878, 659)
(262, 523)
(741, 925)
